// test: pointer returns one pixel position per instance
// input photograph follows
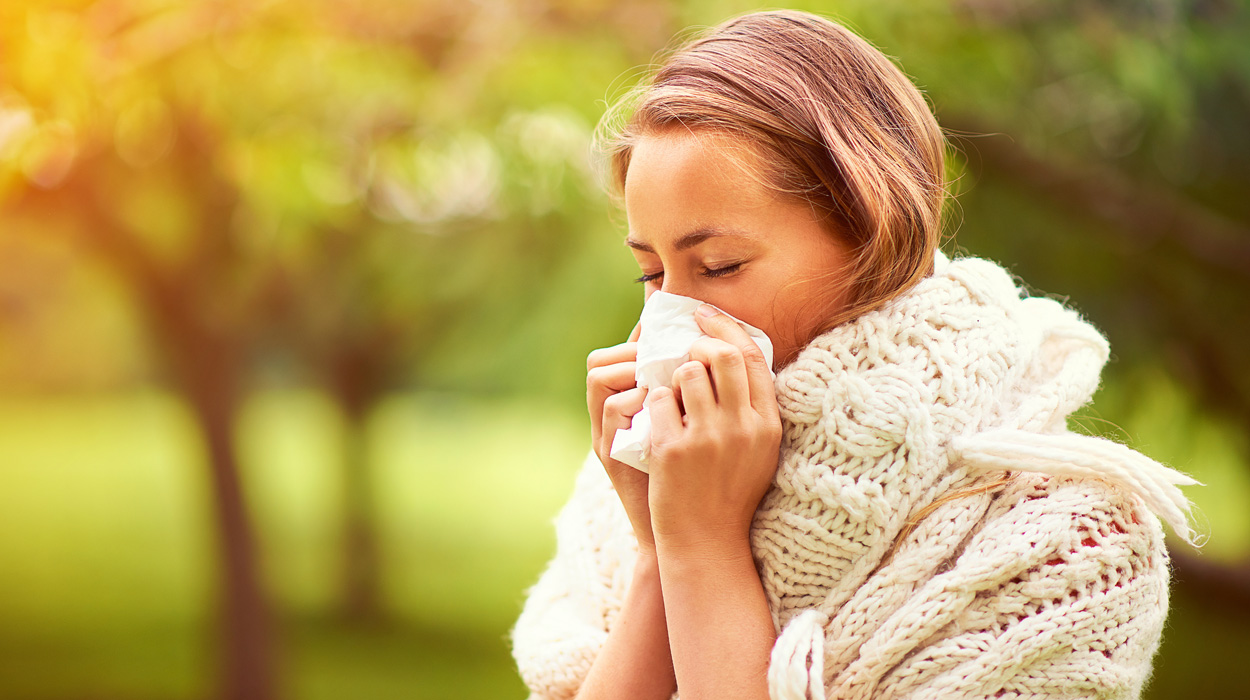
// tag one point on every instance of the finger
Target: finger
(728, 370)
(666, 423)
(610, 379)
(619, 409)
(603, 382)
(618, 414)
(677, 397)
(625, 352)
(759, 375)
(692, 380)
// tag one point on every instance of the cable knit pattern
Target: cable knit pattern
(1046, 577)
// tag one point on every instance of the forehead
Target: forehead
(688, 159)
(678, 181)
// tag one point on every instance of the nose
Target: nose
(673, 285)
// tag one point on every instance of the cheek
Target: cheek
(795, 316)
(757, 310)
(754, 299)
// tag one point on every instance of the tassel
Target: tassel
(789, 675)
(1069, 454)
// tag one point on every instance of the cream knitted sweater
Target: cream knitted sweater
(1046, 579)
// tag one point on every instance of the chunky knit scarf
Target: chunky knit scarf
(934, 530)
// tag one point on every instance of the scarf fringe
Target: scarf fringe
(790, 675)
(1069, 454)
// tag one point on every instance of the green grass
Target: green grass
(106, 555)
(106, 582)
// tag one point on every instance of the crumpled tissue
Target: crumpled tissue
(668, 330)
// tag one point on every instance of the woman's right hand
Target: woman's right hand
(613, 397)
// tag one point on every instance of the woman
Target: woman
(901, 512)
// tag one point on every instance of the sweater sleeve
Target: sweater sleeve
(568, 613)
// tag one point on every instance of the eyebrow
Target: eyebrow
(689, 240)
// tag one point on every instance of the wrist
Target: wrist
(722, 548)
(646, 564)
(716, 531)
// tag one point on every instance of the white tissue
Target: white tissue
(668, 331)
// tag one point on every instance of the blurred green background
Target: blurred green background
(295, 299)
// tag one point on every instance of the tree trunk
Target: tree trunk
(353, 375)
(361, 561)
(246, 651)
(205, 361)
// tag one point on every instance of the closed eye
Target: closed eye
(721, 271)
(712, 272)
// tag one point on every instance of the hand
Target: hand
(613, 397)
(711, 466)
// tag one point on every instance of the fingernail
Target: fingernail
(707, 310)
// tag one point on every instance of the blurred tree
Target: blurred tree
(142, 190)
(325, 183)
(427, 202)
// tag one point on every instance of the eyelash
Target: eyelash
(707, 272)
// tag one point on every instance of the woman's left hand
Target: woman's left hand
(712, 463)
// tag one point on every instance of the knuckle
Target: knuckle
(601, 357)
(753, 355)
(725, 353)
(712, 439)
(754, 429)
(594, 359)
(690, 370)
(773, 425)
(771, 433)
(615, 404)
(669, 451)
(746, 420)
(612, 404)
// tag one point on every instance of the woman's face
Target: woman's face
(700, 225)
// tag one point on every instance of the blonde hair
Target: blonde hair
(834, 123)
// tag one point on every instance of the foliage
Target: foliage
(351, 200)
